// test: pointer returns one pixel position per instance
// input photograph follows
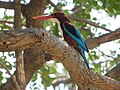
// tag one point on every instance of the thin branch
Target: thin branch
(12, 76)
(6, 5)
(4, 21)
(105, 54)
(80, 20)
(87, 29)
(106, 61)
(77, 10)
(61, 80)
(5, 68)
(9, 22)
(17, 16)
(10, 5)
(55, 6)
(88, 22)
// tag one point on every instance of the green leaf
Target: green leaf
(103, 25)
(105, 3)
(1, 77)
(9, 66)
(94, 18)
(34, 78)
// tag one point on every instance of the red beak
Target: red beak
(43, 17)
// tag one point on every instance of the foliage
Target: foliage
(6, 59)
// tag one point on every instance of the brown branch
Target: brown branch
(61, 80)
(80, 20)
(77, 10)
(9, 22)
(5, 68)
(94, 42)
(13, 77)
(4, 21)
(35, 59)
(10, 5)
(106, 61)
(6, 5)
(43, 40)
(52, 4)
(114, 72)
(105, 54)
(20, 73)
(19, 54)
(17, 15)
(88, 22)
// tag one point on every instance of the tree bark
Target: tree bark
(44, 41)
(20, 75)
(94, 42)
(114, 72)
(35, 7)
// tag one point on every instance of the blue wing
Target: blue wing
(74, 33)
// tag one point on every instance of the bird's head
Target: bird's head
(58, 16)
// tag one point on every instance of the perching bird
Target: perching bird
(70, 33)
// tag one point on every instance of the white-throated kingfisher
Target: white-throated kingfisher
(70, 33)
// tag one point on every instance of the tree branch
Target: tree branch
(80, 74)
(6, 5)
(13, 77)
(10, 5)
(80, 20)
(114, 72)
(9, 22)
(88, 22)
(52, 4)
(18, 53)
(94, 42)
(61, 80)
(4, 21)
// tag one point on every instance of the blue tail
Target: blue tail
(84, 57)
(82, 52)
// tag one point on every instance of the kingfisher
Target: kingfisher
(70, 33)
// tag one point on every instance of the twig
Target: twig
(87, 29)
(4, 21)
(88, 22)
(105, 54)
(13, 76)
(55, 6)
(76, 10)
(80, 20)
(9, 22)
(5, 68)
(73, 86)
(6, 5)
(61, 80)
